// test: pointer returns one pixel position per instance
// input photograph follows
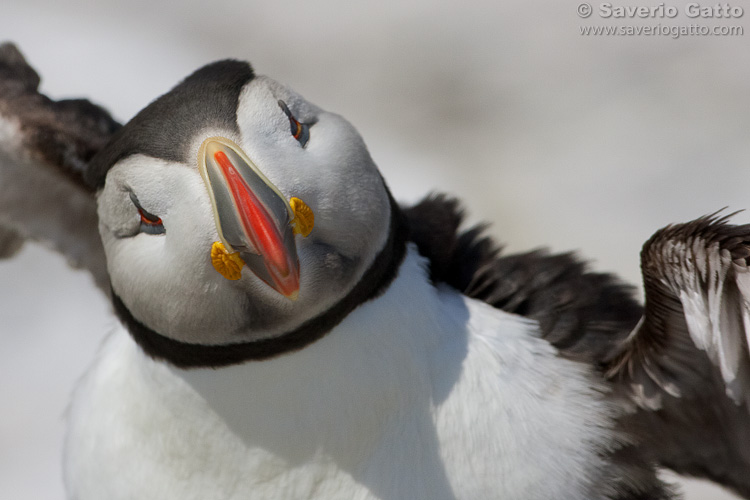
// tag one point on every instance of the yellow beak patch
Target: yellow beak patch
(304, 218)
(227, 264)
(230, 265)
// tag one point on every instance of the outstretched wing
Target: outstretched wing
(44, 148)
(687, 361)
(697, 285)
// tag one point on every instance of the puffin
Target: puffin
(288, 330)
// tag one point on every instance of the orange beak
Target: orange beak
(252, 216)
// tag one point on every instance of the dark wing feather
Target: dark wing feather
(697, 285)
(584, 314)
(45, 147)
(10, 242)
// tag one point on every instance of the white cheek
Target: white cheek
(167, 281)
(346, 189)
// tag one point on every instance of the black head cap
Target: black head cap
(164, 129)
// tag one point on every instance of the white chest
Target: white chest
(441, 398)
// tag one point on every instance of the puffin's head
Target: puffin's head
(240, 221)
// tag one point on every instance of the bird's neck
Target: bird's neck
(375, 364)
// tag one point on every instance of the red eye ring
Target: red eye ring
(297, 132)
(146, 219)
(150, 223)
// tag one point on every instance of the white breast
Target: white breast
(420, 394)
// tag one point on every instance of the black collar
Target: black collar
(185, 355)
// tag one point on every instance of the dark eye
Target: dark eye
(150, 223)
(300, 131)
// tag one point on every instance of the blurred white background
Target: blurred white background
(560, 140)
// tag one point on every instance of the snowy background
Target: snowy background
(560, 140)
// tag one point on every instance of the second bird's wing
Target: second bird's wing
(686, 364)
(44, 147)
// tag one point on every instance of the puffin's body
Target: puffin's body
(289, 331)
(421, 394)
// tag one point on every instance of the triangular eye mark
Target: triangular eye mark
(150, 223)
(299, 130)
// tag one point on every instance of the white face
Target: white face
(162, 269)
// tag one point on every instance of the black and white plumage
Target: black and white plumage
(557, 396)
